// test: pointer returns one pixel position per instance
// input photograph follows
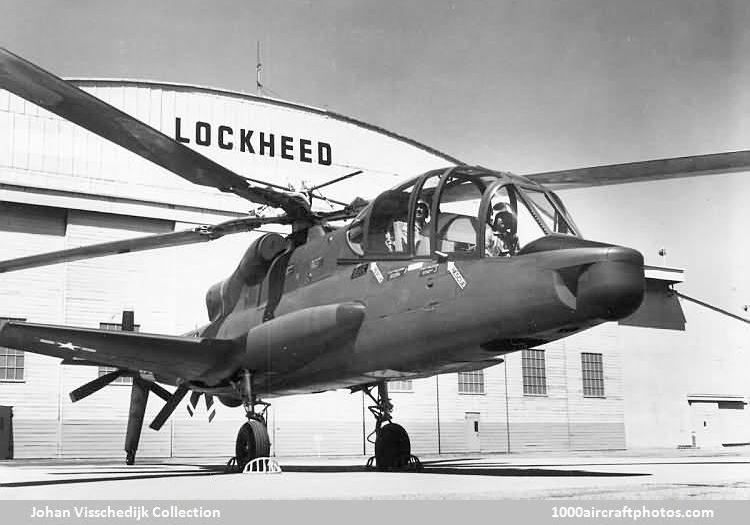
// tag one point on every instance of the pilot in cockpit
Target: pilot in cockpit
(501, 239)
(421, 231)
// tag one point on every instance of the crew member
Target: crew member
(501, 239)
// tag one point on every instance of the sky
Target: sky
(524, 86)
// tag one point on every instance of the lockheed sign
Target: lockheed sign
(254, 143)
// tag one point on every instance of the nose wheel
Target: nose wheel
(392, 444)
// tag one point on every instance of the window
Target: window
(457, 214)
(400, 386)
(471, 382)
(509, 224)
(547, 211)
(386, 228)
(593, 375)
(11, 361)
(534, 375)
(122, 380)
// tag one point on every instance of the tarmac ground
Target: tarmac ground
(653, 474)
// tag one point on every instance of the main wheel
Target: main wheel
(392, 447)
(252, 442)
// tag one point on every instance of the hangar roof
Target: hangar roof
(274, 102)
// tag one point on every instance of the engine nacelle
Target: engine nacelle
(223, 296)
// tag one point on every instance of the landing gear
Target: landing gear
(252, 442)
(392, 445)
(252, 439)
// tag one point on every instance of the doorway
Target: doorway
(6, 432)
(471, 431)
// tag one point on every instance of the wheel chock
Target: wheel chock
(262, 466)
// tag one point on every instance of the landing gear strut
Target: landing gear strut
(252, 439)
(392, 445)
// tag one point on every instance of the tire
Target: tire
(252, 442)
(392, 447)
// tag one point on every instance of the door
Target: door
(471, 429)
(6, 433)
(705, 422)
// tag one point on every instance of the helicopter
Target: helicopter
(446, 272)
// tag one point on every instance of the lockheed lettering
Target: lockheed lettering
(256, 143)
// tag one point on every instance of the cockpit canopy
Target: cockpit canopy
(460, 212)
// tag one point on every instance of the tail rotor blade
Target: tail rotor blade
(194, 397)
(160, 391)
(210, 408)
(169, 407)
(95, 385)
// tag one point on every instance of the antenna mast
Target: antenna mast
(258, 68)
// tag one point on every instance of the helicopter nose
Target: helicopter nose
(613, 287)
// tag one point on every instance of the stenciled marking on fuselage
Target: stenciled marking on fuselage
(429, 270)
(460, 281)
(359, 271)
(414, 266)
(316, 263)
(376, 272)
(396, 273)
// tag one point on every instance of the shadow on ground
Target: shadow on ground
(467, 467)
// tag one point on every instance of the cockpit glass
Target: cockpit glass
(509, 224)
(386, 226)
(457, 222)
(547, 211)
(465, 212)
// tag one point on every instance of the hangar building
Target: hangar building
(63, 187)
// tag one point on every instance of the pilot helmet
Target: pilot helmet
(505, 220)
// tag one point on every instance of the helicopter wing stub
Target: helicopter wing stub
(165, 356)
(138, 244)
(62, 98)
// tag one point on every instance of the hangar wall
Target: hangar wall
(683, 387)
(61, 187)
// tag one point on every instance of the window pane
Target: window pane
(471, 382)
(547, 211)
(422, 216)
(387, 230)
(592, 371)
(457, 215)
(11, 361)
(400, 386)
(533, 370)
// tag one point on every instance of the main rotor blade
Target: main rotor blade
(150, 242)
(95, 385)
(696, 165)
(54, 94)
(169, 407)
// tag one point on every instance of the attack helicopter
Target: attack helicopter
(446, 272)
